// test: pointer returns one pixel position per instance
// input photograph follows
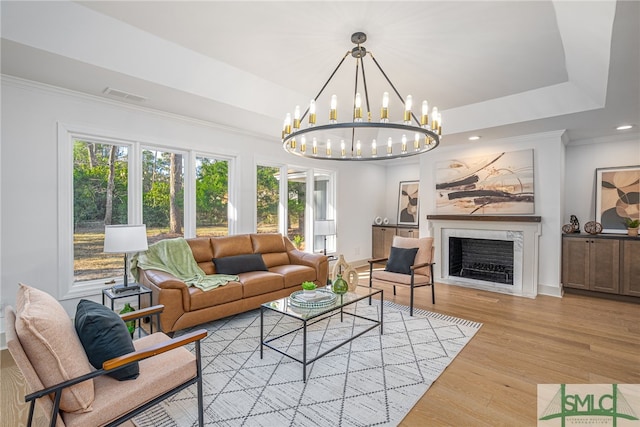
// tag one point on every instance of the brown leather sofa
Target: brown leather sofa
(189, 306)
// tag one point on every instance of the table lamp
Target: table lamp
(325, 227)
(125, 239)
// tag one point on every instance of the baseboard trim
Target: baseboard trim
(552, 291)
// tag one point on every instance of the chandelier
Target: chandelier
(361, 138)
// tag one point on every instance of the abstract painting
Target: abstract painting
(617, 197)
(493, 184)
(408, 203)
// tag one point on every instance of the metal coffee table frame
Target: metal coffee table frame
(309, 316)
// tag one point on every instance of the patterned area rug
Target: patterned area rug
(373, 380)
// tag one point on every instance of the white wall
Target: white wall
(548, 158)
(581, 164)
(29, 188)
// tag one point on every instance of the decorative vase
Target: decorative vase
(131, 324)
(632, 232)
(340, 286)
(309, 293)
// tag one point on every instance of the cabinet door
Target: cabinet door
(631, 268)
(382, 238)
(407, 232)
(604, 265)
(575, 263)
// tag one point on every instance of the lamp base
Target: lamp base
(125, 288)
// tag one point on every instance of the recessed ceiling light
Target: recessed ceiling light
(474, 138)
(624, 127)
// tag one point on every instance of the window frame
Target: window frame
(66, 135)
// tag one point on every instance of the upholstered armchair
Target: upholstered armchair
(70, 391)
(409, 265)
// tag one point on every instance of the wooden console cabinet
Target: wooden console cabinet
(601, 263)
(382, 238)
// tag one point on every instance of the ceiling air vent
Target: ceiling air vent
(123, 95)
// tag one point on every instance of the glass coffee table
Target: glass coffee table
(310, 311)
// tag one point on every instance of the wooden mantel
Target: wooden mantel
(502, 218)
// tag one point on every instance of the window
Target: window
(110, 180)
(307, 195)
(268, 199)
(100, 196)
(324, 207)
(296, 206)
(163, 194)
(212, 197)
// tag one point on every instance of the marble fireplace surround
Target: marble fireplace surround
(524, 231)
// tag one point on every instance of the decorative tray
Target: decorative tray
(323, 298)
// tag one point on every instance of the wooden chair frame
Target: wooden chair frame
(412, 284)
(125, 360)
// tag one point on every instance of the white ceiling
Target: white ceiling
(494, 68)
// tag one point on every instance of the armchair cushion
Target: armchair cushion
(51, 344)
(425, 250)
(401, 260)
(237, 264)
(104, 336)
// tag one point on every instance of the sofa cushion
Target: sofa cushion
(202, 253)
(53, 347)
(260, 282)
(239, 264)
(399, 279)
(266, 243)
(276, 258)
(200, 299)
(231, 245)
(104, 336)
(401, 260)
(294, 275)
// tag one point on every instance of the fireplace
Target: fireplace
(481, 259)
(515, 273)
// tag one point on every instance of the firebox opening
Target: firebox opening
(481, 259)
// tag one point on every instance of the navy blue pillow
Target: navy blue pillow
(239, 264)
(104, 335)
(401, 260)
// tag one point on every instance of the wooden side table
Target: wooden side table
(139, 291)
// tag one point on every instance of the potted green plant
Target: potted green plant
(309, 288)
(632, 226)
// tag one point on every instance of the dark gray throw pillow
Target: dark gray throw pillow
(239, 264)
(104, 335)
(401, 260)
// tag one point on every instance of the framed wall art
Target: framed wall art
(617, 197)
(408, 203)
(492, 184)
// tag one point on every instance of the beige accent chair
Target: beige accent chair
(69, 391)
(421, 270)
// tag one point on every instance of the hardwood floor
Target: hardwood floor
(493, 381)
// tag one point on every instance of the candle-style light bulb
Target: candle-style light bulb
(343, 149)
(374, 149)
(424, 118)
(439, 123)
(312, 113)
(357, 108)
(303, 144)
(333, 114)
(408, 104)
(328, 148)
(416, 142)
(286, 128)
(358, 149)
(296, 117)
(389, 146)
(314, 147)
(384, 111)
(404, 144)
(434, 118)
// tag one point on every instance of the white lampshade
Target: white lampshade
(325, 227)
(125, 238)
